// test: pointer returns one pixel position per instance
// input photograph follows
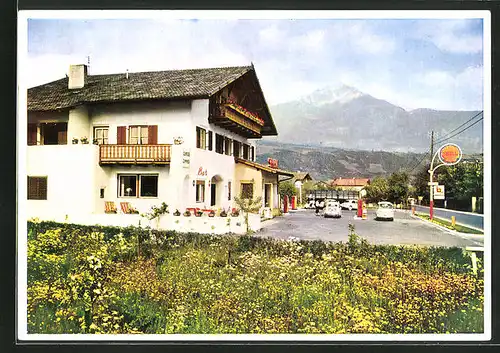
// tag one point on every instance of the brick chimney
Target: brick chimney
(77, 76)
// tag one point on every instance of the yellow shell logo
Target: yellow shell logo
(450, 154)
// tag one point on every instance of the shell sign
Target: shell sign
(450, 154)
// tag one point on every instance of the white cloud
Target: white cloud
(450, 90)
(364, 40)
(361, 38)
(451, 36)
(309, 43)
(271, 34)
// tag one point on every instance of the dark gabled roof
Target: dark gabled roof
(174, 84)
(301, 176)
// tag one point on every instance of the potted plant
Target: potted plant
(187, 213)
(84, 140)
(211, 213)
(177, 213)
(75, 141)
(95, 141)
(235, 212)
(198, 213)
(223, 213)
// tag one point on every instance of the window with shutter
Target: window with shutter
(246, 190)
(246, 149)
(32, 132)
(201, 138)
(227, 146)
(219, 143)
(210, 140)
(37, 188)
(121, 135)
(236, 148)
(101, 135)
(138, 135)
(153, 134)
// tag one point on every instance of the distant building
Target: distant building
(351, 184)
(323, 184)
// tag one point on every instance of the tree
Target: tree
(287, 188)
(247, 205)
(462, 182)
(398, 187)
(377, 190)
(419, 182)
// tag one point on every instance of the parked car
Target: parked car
(332, 209)
(350, 205)
(385, 210)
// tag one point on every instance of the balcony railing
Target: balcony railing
(134, 154)
(232, 117)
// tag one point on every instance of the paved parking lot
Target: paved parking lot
(304, 224)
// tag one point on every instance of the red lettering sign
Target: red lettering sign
(450, 154)
(202, 172)
(273, 163)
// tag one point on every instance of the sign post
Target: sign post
(439, 192)
(449, 154)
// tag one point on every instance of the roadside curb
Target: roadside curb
(451, 231)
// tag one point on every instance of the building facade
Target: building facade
(351, 184)
(184, 137)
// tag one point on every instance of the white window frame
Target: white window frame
(140, 129)
(203, 138)
(138, 184)
(101, 128)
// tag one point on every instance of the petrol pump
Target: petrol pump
(365, 211)
(360, 208)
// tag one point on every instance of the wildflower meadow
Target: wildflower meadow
(136, 280)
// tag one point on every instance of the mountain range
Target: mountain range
(347, 118)
(324, 163)
(343, 132)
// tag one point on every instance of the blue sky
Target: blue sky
(424, 63)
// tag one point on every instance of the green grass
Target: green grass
(469, 320)
(447, 224)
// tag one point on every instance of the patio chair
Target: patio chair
(127, 208)
(109, 207)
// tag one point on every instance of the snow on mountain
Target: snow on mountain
(331, 95)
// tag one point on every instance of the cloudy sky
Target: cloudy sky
(422, 63)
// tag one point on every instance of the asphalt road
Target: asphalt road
(304, 224)
(464, 218)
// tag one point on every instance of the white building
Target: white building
(183, 137)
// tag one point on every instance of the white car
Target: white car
(332, 209)
(350, 205)
(385, 210)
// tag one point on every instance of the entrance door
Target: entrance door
(213, 194)
(267, 194)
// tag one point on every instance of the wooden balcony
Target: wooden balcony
(234, 118)
(134, 154)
